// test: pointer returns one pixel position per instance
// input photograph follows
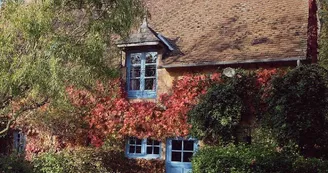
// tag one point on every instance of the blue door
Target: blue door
(178, 155)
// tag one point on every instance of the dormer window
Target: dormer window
(143, 50)
(142, 74)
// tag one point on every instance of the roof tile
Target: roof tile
(231, 30)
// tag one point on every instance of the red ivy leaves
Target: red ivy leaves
(112, 113)
(109, 112)
(265, 75)
(186, 92)
(143, 120)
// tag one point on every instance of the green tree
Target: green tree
(323, 40)
(47, 45)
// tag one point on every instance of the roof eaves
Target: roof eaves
(250, 61)
(165, 42)
(153, 43)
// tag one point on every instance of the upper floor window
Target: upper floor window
(143, 148)
(142, 75)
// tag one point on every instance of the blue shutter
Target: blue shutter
(142, 76)
(23, 142)
(19, 141)
(16, 140)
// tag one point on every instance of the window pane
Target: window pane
(138, 141)
(138, 149)
(134, 84)
(132, 141)
(176, 145)
(151, 57)
(135, 58)
(156, 142)
(150, 70)
(156, 150)
(131, 149)
(150, 84)
(149, 150)
(187, 156)
(188, 145)
(135, 72)
(176, 156)
(149, 142)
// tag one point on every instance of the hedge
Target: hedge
(14, 163)
(94, 160)
(82, 160)
(254, 159)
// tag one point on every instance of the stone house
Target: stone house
(189, 36)
(194, 36)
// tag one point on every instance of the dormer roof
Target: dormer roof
(145, 36)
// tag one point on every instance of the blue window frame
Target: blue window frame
(142, 74)
(19, 141)
(143, 148)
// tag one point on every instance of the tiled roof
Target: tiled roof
(212, 31)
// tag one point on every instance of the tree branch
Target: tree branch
(5, 130)
(8, 98)
(19, 112)
(5, 102)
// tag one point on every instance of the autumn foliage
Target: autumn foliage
(112, 113)
(107, 112)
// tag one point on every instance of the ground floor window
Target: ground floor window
(143, 148)
(19, 141)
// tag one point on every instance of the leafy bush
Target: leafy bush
(221, 110)
(310, 165)
(298, 106)
(51, 162)
(14, 164)
(253, 159)
(93, 160)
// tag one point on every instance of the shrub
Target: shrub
(90, 160)
(14, 163)
(220, 111)
(217, 159)
(51, 162)
(297, 108)
(253, 159)
(310, 165)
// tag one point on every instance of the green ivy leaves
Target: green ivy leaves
(298, 107)
(218, 115)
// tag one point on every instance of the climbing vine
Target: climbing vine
(112, 113)
(107, 112)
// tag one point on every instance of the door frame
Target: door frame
(183, 165)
